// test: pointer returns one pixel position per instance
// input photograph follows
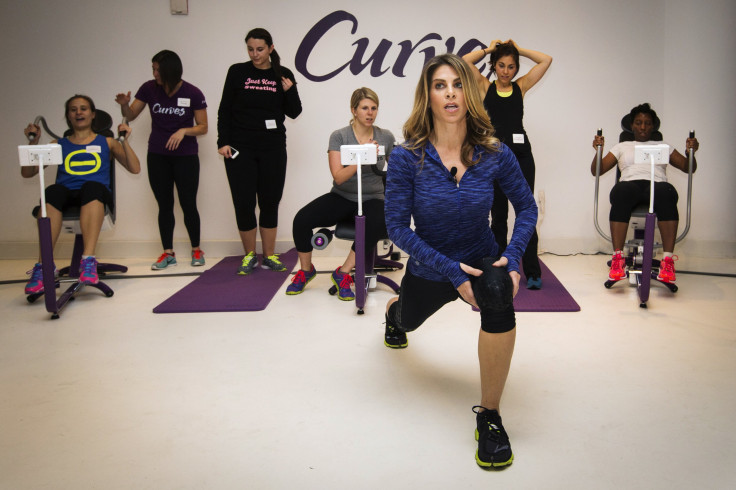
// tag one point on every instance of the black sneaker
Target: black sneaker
(394, 338)
(494, 448)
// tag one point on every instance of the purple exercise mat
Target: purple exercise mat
(221, 289)
(552, 297)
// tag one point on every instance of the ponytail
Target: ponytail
(276, 65)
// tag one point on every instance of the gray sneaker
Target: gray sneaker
(197, 258)
(163, 262)
(272, 262)
(249, 263)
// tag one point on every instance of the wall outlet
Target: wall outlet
(179, 7)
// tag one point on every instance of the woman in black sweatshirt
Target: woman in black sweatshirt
(257, 97)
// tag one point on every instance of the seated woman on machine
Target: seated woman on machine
(341, 203)
(84, 179)
(633, 189)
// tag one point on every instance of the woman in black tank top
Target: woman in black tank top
(504, 102)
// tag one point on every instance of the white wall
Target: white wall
(608, 57)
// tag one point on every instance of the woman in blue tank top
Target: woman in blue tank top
(82, 179)
(504, 102)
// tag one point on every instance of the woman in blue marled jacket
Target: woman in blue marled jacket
(442, 177)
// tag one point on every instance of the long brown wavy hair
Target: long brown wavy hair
(420, 125)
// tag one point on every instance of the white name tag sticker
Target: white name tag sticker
(270, 123)
(519, 138)
(182, 102)
(93, 149)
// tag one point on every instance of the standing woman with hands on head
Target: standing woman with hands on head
(504, 102)
(178, 115)
(256, 98)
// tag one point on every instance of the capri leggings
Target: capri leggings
(61, 197)
(420, 298)
(328, 210)
(257, 176)
(626, 195)
(164, 172)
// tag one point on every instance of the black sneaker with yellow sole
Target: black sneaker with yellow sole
(494, 448)
(394, 338)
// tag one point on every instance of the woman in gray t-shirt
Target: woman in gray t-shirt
(341, 203)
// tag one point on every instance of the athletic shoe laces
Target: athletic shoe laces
(89, 266)
(36, 273)
(346, 281)
(668, 265)
(299, 278)
(495, 433)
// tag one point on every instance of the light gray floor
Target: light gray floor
(305, 395)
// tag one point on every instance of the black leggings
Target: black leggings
(257, 174)
(328, 210)
(165, 171)
(500, 217)
(420, 298)
(626, 195)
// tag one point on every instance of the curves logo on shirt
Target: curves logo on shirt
(82, 167)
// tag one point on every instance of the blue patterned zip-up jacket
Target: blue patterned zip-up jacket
(451, 220)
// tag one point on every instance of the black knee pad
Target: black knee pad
(494, 289)
(498, 321)
(494, 293)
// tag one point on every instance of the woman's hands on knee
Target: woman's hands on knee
(465, 289)
(515, 276)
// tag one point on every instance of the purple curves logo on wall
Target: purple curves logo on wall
(376, 62)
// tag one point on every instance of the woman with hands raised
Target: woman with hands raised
(504, 102)
(83, 179)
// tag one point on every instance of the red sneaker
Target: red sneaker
(618, 263)
(667, 269)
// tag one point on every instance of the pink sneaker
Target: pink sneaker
(667, 269)
(88, 271)
(618, 263)
(35, 283)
